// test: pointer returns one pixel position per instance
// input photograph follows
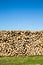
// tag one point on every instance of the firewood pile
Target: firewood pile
(18, 43)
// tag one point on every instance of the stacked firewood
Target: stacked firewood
(17, 43)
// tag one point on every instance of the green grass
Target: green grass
(26, 60)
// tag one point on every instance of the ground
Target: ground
(21, 60)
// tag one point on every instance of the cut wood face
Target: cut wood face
(15, 43)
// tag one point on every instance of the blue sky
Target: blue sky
(21, 14)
